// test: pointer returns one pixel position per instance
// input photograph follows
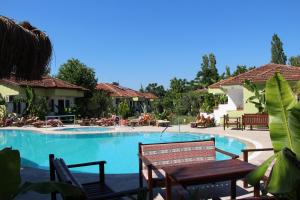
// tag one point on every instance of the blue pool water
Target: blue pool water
(118, 149)
(84, 129)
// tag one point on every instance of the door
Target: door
(61, 106)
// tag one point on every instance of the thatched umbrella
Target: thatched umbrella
(24, 50)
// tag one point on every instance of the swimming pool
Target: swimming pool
(84, 129)
(118, 149)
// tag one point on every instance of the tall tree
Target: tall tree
(76, 72)
(227, 71)
(241, 69)
(294, 61)
(208, 73)
(213, 67)
(156, 89)
(178, 85)
(278, 55)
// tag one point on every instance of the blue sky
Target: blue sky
(141, 41)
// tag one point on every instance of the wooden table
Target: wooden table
(208, 172)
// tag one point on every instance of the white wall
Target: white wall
(235, 100)
(235, 97)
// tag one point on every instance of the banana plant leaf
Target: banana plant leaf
(284, 123)
(260, 171)
(280, 100)
(10, 178)
(294, 125)
(285, 175)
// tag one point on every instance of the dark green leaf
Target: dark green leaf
(255, 176)
(294, 125)
(285, 175)
(9, 173)
(280, 100)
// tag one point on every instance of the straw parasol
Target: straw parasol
(24, 50)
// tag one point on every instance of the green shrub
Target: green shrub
(124, 110)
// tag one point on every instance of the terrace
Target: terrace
(119, 182)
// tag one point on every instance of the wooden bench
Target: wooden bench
(255, 120)
(93, 190)
(152, 157)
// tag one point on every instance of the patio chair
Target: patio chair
(95, 190)
(152, 157)
(246, 156)
(228, 121)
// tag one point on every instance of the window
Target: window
(11, 98)
(67, 103)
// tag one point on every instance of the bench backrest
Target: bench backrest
(255, 119)
(175, 153)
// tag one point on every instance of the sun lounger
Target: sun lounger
(202, 121)
(59, 171)
(38, 124)
(163, 123)
(152, 157)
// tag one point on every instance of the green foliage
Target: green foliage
(227, 71)
(9, 173)
(156, 89)
(10, 181)
(124, 110)
(3, 107)
(208, 103)
(294, 61)
(278, 55)
(208, 73)
(35, 106)
(40, 108)
(178, 85)
(100, 104)
(280, 100)
(258, 99)
(241, 69)
(75, 72)
(165, 115)
(284, 116)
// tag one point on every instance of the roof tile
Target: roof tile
(261, 75)
(45, 82)
(119, 91)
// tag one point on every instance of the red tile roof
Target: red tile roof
(45, 82)
(119, 91)
(261, 75)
